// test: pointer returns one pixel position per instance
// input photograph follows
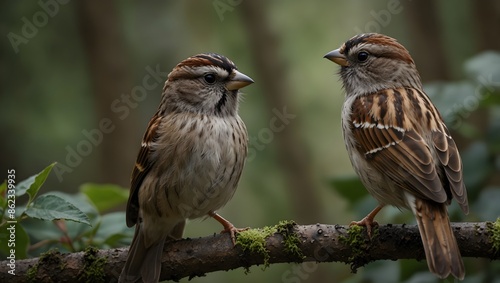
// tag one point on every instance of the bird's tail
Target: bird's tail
(440, 245)
(142, 262)
(145, 262)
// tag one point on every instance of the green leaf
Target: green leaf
(105, 196)
(41, 230)
(79, 200)
(455, 101)
(113, 230)
(32, 184)
(13, 237)
(350, 187)
(485, 68)
(82, 202)
(51, 207)
(76, 230)
(489, 97)
(45, 235)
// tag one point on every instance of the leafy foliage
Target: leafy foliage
(51, 207)
(60, 220)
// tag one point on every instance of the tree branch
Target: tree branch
(196, 257)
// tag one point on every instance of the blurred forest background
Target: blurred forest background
(72, 71)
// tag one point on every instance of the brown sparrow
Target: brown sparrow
(190, 161)
(399, 145)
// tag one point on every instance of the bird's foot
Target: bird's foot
(368, 222)
(228, 226)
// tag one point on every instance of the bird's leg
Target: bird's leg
(228, 226)
(368, 221)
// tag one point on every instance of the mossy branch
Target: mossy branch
(288, 242)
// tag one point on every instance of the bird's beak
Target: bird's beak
(337, 57)
(238, 80)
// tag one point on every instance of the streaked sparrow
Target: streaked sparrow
(190, 161)
(399, 145)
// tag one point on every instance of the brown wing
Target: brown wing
(142, 167)
(393, 142)
(449, 157)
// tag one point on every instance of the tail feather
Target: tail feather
(151, 265)
(142, 262)
(144, 257)
(441, 248)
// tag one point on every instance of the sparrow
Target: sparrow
(190, 161)
(399, 145)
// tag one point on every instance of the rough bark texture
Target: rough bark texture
(196, 257)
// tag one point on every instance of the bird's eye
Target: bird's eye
(209, 78)
(362, 56)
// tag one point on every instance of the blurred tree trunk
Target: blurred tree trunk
(109, 70)
(426, 39)
(273, 80)
(301, 186)
(487, 19)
